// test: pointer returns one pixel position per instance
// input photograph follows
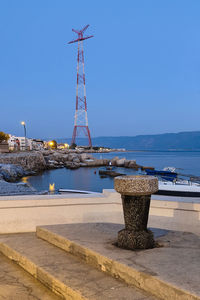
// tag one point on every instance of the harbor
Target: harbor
(99, 150)
(86, 179)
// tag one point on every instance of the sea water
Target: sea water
(89, 179)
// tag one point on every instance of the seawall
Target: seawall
(24, 213)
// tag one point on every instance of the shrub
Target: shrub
(3, 137)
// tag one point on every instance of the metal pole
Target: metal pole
(25, 137)
(24, 124)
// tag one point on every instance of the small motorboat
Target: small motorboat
(171, 185)
(179, 188)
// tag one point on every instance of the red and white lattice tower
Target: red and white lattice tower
(81, 119)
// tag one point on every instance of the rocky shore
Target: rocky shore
(13, 166)
(20, 188)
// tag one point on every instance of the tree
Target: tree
(3, 137)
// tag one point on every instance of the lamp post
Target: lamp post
(24, 124)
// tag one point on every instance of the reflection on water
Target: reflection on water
(80, 179)
(52, 187)
(89, 179)
(25, 179)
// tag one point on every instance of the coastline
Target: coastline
(59, 168)
(19, 188)
(14, 166)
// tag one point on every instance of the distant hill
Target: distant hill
(166, 141)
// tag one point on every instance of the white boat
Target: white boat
(175, 186)
(182, 188)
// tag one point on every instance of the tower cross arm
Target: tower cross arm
(84, 29)
(81, 39)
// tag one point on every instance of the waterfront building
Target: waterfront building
(37, 144)
(16, 143)
(25, 143)
(13, 143)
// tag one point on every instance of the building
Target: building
(37, 144)
(17, 143)
(20, 143)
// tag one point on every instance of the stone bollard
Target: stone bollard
(136, 196)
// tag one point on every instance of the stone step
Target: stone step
(66, 275)
(160, 271)
(16, 284)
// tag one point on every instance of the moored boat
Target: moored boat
(171, 185)
(164, 174)
(182, 188)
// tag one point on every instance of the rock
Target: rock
(33, 161)
(72, 156)
(120, 162)
(22, 184)
(30, 173)
(126, 163)
(11, 172)
(52, 164)
(7, 188)
(114, 160)
(133, 165)
(76, 160)
(95, 163)
(106, 162)
(56, 156)
(72, 165)
(83, 164)
(65, 151)
(46, 152)
(47, 159)
(65, 158)
(85, 156)
(75, 166)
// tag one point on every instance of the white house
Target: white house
(19, 143)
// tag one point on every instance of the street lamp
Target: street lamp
(24, 124)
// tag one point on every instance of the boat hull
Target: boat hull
(179, 189)
(178, 193)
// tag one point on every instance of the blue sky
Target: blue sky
(142, 66)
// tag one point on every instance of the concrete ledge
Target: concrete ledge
(159, 271)
(24, 213)
(173, 213)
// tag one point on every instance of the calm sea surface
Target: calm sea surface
(86, 179)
